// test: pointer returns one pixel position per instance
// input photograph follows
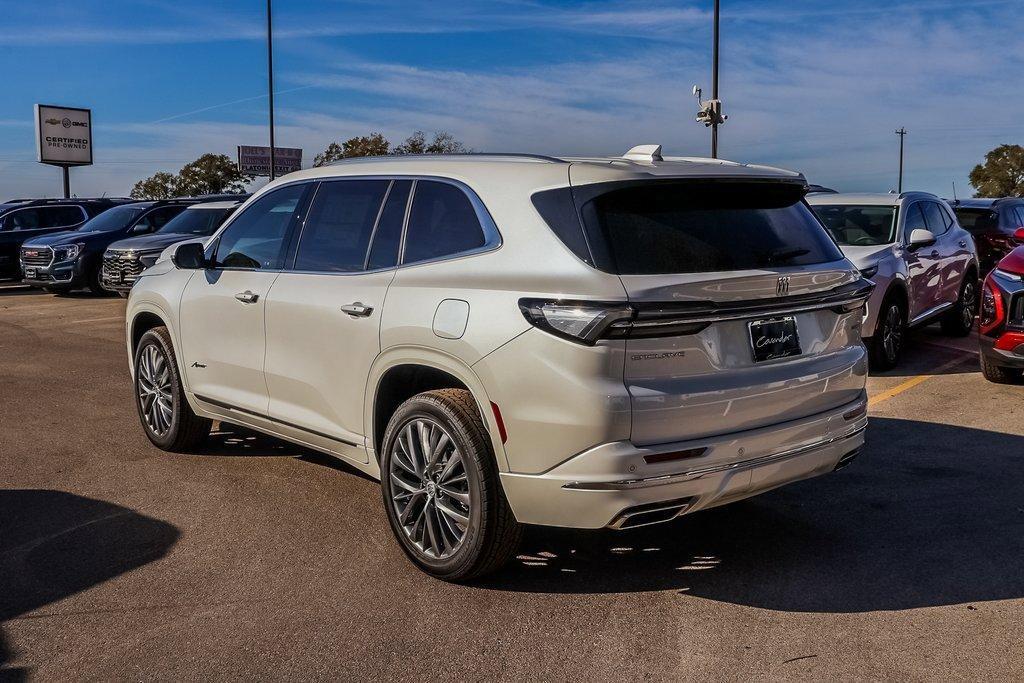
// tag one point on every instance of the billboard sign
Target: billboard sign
(256, 160)
(63, 135)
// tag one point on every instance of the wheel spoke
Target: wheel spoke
(438, 448)
(455, 495)
(451, 512)
(401, 483)
(431, 523)
(454, 460)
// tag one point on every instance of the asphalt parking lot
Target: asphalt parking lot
(257, 559)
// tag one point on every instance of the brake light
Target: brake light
(993, 314)
(579, 321)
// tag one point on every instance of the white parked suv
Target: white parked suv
(925, 265)
(513, 339)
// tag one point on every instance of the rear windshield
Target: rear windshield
(859, 226)
(701, 227)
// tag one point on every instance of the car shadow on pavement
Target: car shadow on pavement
(928, 515)
(55, 544)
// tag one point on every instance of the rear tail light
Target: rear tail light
(993, 314)
(579, 321)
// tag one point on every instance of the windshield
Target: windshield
(704, 227)
(195, 222)
(859, 226)
(117, 218)
(977, 220)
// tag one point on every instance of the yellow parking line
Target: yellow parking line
(911, 383)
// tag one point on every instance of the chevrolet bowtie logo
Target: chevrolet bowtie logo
(782, 287)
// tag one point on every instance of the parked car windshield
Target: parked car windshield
(859, 226)
(117, 218)
(701, 227)
(195, 222)
(976, 220)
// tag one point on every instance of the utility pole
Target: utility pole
(270, 83)
(67, 182)
(714, 83)
(902, 132)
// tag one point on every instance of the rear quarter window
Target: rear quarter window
(701, 227)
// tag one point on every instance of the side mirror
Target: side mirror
(189, 256)
(1018, 235)
(920, 237)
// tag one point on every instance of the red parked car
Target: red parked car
(1001, 323)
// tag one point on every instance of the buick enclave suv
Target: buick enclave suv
(511, 339)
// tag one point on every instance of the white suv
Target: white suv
(513, 339)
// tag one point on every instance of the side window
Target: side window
(1019, 212)
(256, 238)
(62, 216)
(158, 218)
(26, 219)
(339, 224)
(935, 217)
(915, 220)
(442, 222)
(388, 236)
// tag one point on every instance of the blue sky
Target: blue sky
(812, 85)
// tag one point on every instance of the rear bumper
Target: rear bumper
(614, 484)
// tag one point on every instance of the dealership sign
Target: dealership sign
(63, 135)
(256, 160)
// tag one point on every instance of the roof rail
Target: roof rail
(453, 155)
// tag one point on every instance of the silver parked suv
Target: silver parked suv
(512, 339)
(913, 248)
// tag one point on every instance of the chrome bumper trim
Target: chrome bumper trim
(698, 472)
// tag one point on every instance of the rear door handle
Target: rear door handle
(357, 309)
(247, 297)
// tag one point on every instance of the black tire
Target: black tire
(184, 429)
(94, 284)
(886, 345)
(959, 321)
(491, 534)
(123, 295)
(999, 374)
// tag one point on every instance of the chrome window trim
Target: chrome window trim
(85, 216)
(492, 236)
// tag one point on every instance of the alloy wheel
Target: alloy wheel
(967, 305)
(154, 388)
(892, 333)
(430, 488)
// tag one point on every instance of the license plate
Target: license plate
(30, 273)
(774, 338)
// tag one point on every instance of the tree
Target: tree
(161, 185)
(209, 174)
(372, 145)
(375, 145)
(1002, 174)
(443, 143)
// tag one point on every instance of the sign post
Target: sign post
(256, 160)
(63, 138)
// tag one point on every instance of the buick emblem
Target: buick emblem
(782, 287)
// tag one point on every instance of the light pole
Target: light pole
(902, 132)
(270, 82)
(714, 83)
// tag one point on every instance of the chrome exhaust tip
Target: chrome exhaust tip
(846, 459)
(650, 513)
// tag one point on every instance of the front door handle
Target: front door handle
(247, 297)
(357, 309)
